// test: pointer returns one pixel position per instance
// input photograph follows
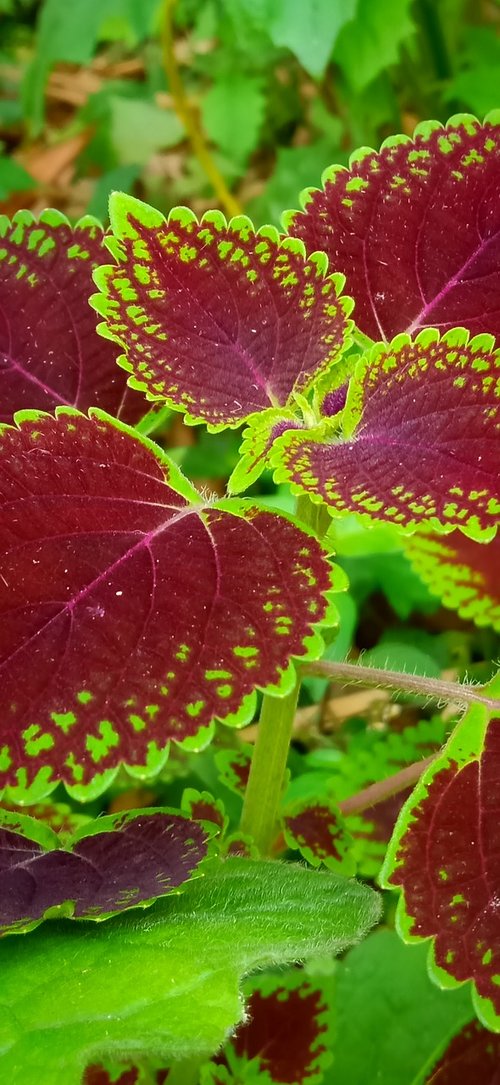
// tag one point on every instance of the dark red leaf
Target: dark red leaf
(472, 1058)
(234, 767)
(415, 229)
(421, 437)
(317, 829)
(131, 613)
(445, 854)
(50, 352)
(215, 319)
(287, 1032)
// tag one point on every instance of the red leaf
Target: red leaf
(415, 229)
(464, 573)
(50, 352)
(317, 829)
(215, 319)
(445, 854)
(472, 1058)
(403, 456)
(128, 613)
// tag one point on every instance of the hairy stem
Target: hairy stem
(385, 789)
(188, 116)
(267, 771)
(435, 688)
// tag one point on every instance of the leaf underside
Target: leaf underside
(464, 573)
(215, 319)
(421, 440)
(445, 855)
(116, 863)
(415, 229)
(128, 617)
(50, 352)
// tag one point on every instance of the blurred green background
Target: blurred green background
(230, 103)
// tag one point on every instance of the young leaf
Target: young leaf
(403, 456)
(50, 352)
(287, 1037)
(445, 855)
(115, 863)
(202, 807)
(472, 1057)
(317, 829)
(168, 983)
(462, 572)
(415, 229)
(215, 319)
(234, 767)
(131, 613)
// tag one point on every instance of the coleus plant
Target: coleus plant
(358, 351)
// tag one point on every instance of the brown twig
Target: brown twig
(385, 789)
(188, 117)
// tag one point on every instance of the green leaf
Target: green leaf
(13, 178)
(168, 984)
(139, 128)
(309, 28)
(371, 42)
(233, 112)
(391, 1020)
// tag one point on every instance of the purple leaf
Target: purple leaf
(50, 352)
(215, 319)
(415, 229)
(129, 615)
(464, 573)
(421, 441)
(113, 864)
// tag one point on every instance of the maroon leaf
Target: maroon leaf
(58, 816)
(464, 573)
(287, 1034)
(201, 806)
(99, 1075)
(129, 615)
(215, 319)
(317, 829)
(50, 352)
(421, 437)
(234, 767)
(116, 863)
(445, 854)
(472, 1058)
(415, 229)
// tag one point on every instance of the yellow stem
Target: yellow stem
(188, 116)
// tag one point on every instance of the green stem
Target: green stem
(267, 771)
(185, 1072)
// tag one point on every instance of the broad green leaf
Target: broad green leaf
(390, 1019)
(233, 112)
(168, 983)
(309, 28)
(445, 855)
(371, 41)
(393, 421)
(215, 319)
(139, 128)
(415, 229)
(464, 573)
(133, 612)
(13, 177)
(114, 863)
(50, 352)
